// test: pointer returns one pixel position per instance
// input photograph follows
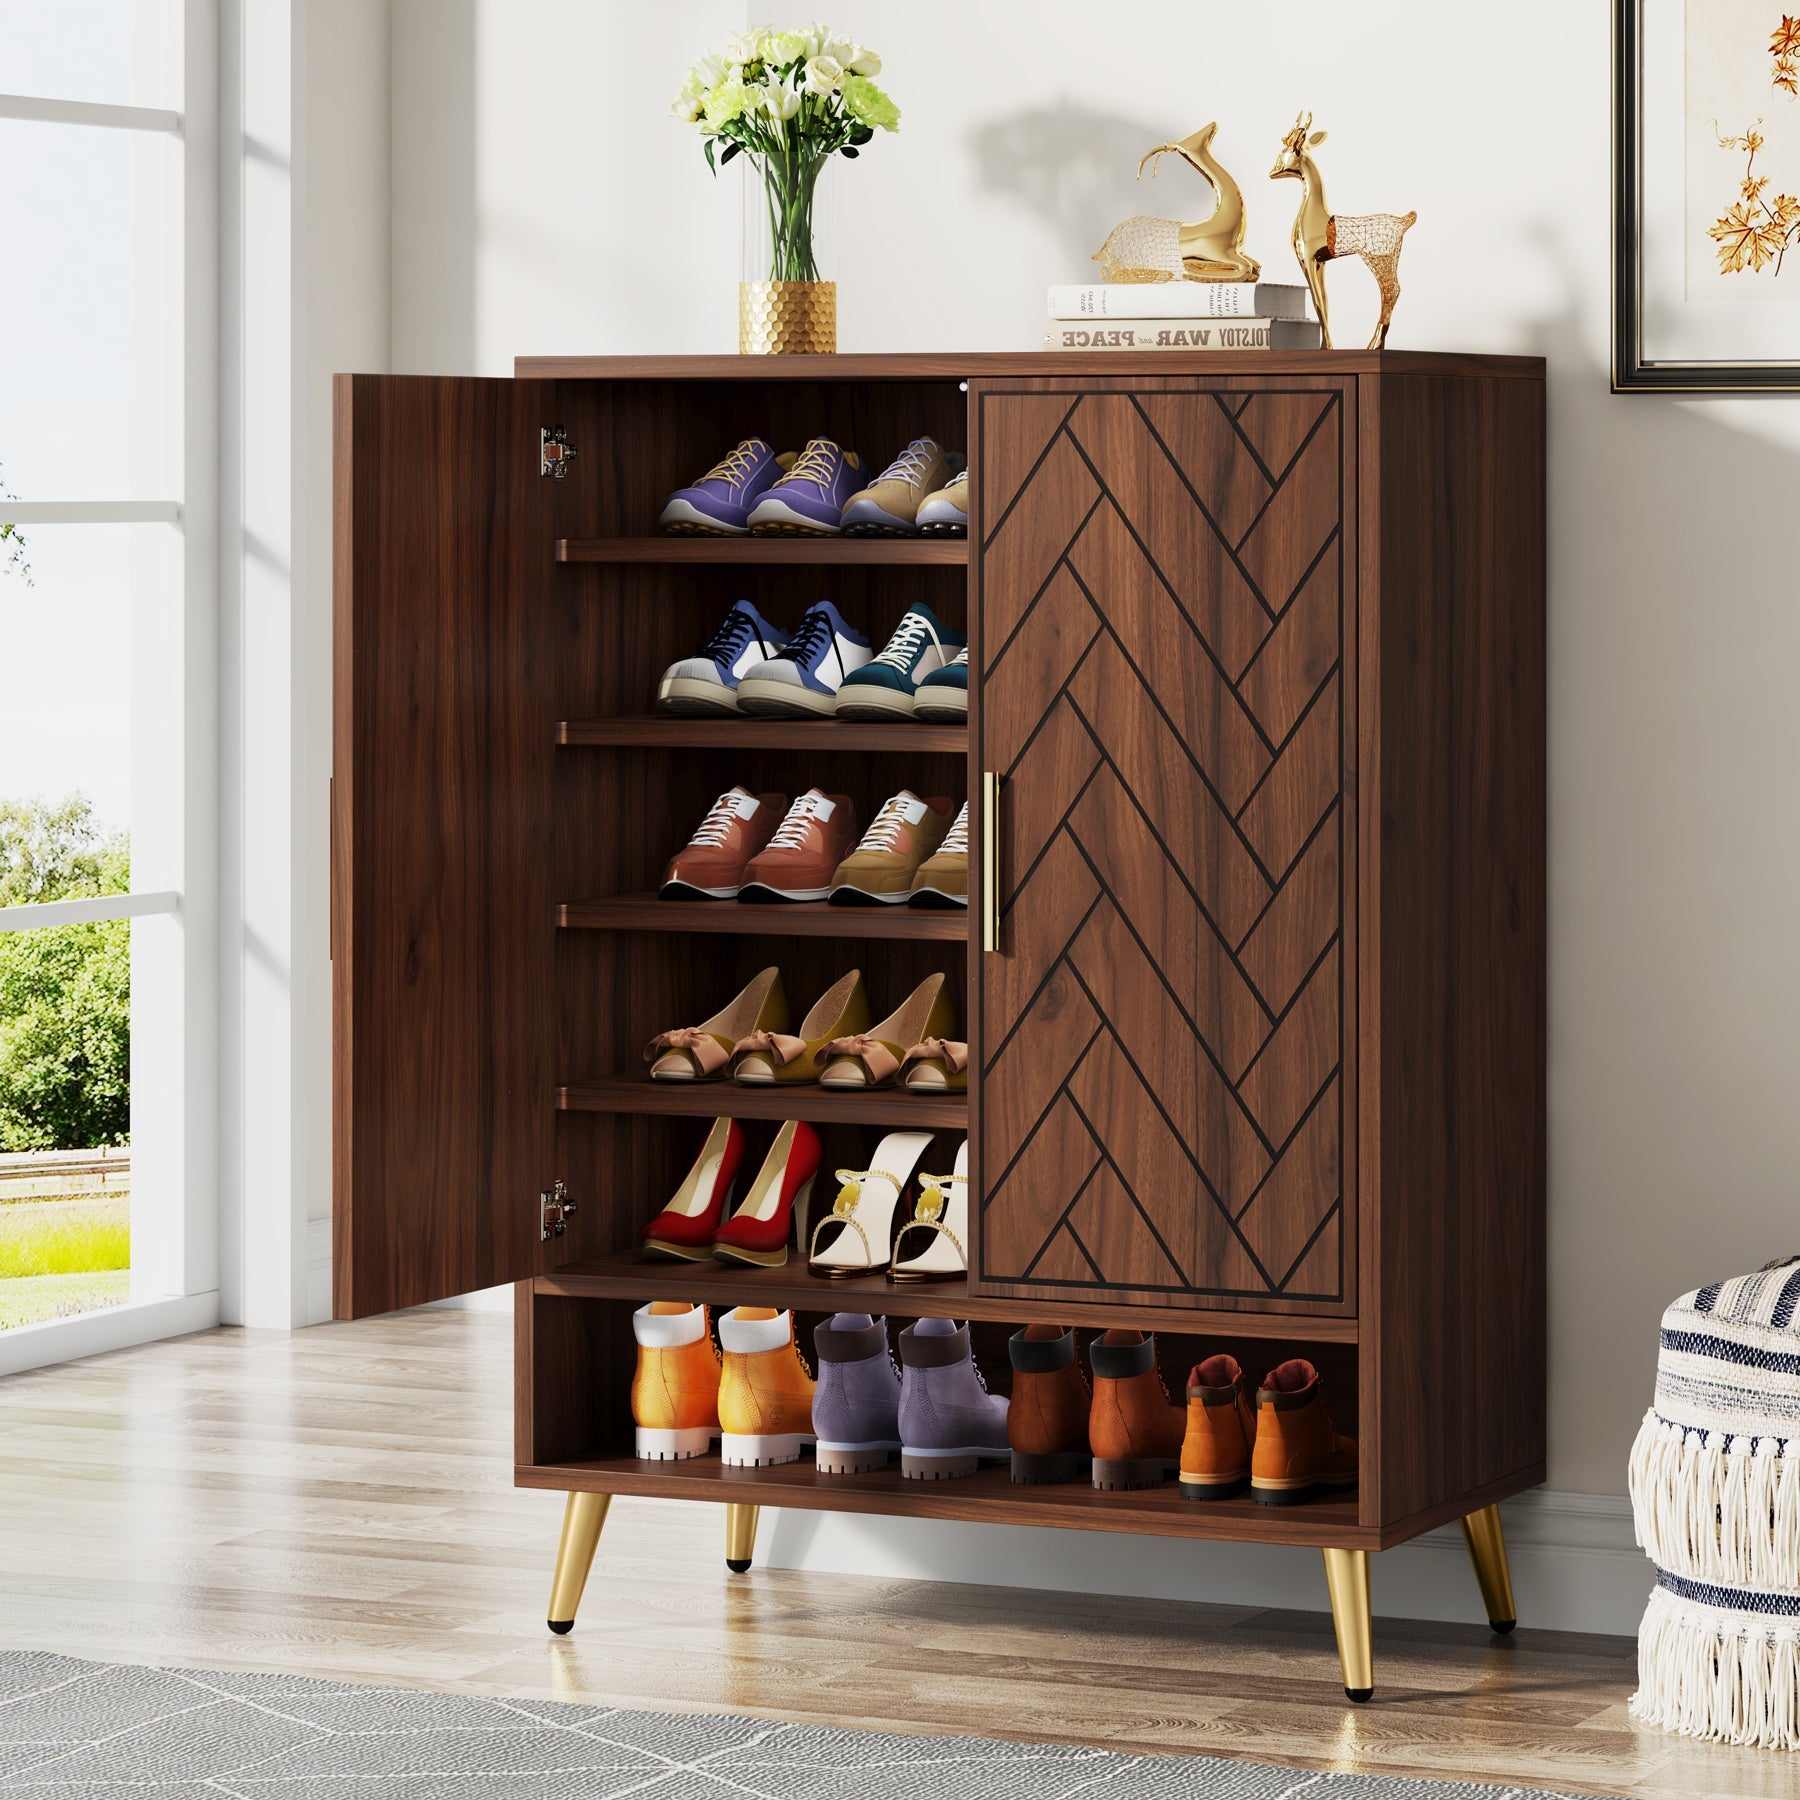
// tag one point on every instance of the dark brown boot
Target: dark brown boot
(1133, 1428)
(1047, 1422)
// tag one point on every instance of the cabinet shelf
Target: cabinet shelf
(832, 736)
(625, 1275)
(812, 918)
(758, 551)
(727, 1099)
(989, 1497)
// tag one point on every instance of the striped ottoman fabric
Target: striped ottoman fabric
(1715, 1491)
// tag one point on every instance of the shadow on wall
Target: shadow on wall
(434, 238)
(1072, 167)
(1674, 969)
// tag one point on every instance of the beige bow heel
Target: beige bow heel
(863, 1212)
(936, 1066)
(871, 1059)
(938, 1229)
(701, 1052)
(765, 1058)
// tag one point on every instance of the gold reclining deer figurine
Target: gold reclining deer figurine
(1212, 249)
(1320, 234)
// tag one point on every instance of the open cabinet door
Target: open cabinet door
(443, 1030)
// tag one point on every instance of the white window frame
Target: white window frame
(173, 905)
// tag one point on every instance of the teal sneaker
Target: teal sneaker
(884, 687)
(943, 696)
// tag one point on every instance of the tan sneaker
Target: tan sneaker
(943, 877)
(799, 860)
(906, 831)
(711, 867)
(889, 506)
(946, 513)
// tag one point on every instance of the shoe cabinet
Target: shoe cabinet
(1253, 970)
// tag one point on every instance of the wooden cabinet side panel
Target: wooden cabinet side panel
(442, 1034)
(1454, 951)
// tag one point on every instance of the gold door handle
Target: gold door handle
(990, 860)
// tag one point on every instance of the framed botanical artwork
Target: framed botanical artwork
(1706, 195)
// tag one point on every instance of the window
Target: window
(107, 452)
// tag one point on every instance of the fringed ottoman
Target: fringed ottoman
(1715, 1491)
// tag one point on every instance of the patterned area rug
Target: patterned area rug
(74, 1730)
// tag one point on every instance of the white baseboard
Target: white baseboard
(1575, 1565)
(318, 1272)
(115, 1328)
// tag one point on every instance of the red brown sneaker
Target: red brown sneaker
(711, 866)
(1297, 1454)
(817, 834)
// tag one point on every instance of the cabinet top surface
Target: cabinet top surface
(940, 365)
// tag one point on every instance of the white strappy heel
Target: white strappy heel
(942, 1220)
(864, 1209)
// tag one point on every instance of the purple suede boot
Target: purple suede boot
(949, 1421)
(856, 1405)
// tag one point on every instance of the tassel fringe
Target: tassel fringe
(1718, 1508)
(1715, 1675)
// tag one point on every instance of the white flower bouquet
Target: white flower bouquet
(788, 100)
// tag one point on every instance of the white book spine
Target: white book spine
(1183, 334)
(1178, 300)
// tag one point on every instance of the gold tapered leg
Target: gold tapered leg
(1347, 1578)
(582, 1519)
(1487, 1551)
(740, 1536)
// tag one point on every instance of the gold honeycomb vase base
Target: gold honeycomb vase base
(787, 318)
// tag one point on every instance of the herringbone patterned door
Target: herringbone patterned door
(1162, 687)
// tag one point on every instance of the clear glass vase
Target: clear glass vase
(786, 304)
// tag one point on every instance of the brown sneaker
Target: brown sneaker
(880, 869)
(1297, 1454)
(1047, 1420)
(807, 847)
(1133, 1427)
(942, 879)
(1215, 1454)
(711, 867)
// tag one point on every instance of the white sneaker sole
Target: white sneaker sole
(779, 519)
(688, 694)
(674, 1446)
(935, 707)
(873, 703)
(785, 700)
(737, 1452)
(759, 893)
(686, 890)
(682, 516)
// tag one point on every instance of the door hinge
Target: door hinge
(554, 1209)
(555, 452)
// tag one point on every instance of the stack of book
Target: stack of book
(1180, 315)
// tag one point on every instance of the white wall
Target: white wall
(305, 294)
(543, 202)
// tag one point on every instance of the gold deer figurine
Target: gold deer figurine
(1320, 234)
(1212, 249)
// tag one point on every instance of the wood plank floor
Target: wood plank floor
(338, 1502)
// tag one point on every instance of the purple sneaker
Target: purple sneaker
(809, 500)
(719, 503)
(856, 1406)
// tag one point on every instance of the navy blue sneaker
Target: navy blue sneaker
(802, 681)
(708, 683)
(943, 696)
(884, 688)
